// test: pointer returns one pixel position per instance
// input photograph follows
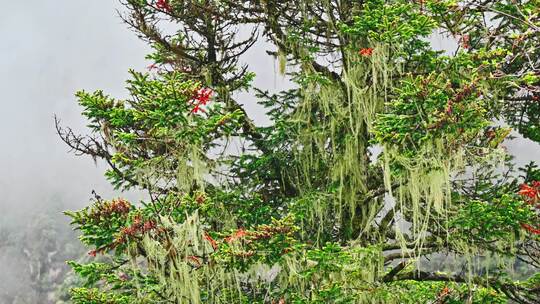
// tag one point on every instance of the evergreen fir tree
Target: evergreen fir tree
(310, 211)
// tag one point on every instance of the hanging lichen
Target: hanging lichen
(334, 121)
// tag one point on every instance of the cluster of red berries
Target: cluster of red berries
(201, 98)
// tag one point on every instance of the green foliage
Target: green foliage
(266, 244)
(163, 114)
(496, 221)
(398, 22)
(445, 292)
(94, 296)
(92, 272)
(531, 172)
(432, 108)
(100, 222)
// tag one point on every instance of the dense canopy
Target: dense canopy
(382, 178)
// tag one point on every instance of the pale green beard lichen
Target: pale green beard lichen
(423, 191)
(335, 122)
(180, 265)
(356, 271)
(183, 166)
(282, 60)
(168, 261)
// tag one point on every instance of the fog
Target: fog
(49, 50)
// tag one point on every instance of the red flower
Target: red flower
(92, 253)
(197, 108)
(201, 98)
(203, 95)
(366, 52)
(163, 5)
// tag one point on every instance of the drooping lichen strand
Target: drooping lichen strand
(335, 120)
(423, 194)
(180, 264)
(353, 269)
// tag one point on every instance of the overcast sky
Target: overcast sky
(49, 50)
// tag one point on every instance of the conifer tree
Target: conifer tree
(382, 178)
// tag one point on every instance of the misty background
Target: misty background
(48, 51)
